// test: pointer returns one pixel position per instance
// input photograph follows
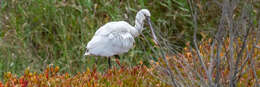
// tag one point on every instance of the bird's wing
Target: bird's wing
(111, 44)
(110, 39)
(122, 40)
(119, 26)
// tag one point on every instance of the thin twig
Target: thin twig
(194, 69)
(218, 61)
(254, 46)
(227, 13)
(211, 58)
(194, 16)
(165, 60)
(240, 54)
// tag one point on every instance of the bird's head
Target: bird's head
(140, 17)
(145, 12)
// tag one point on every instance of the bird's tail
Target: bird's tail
(87, 53)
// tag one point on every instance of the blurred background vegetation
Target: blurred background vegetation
(36, 33)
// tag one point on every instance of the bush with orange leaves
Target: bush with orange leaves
(188, 71)
(133, 77)
(227, 56)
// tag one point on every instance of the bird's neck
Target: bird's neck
(139, 22)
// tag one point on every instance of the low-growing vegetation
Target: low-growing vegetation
(188, 72)
(202, 43)
(137, 76)
(36, 33)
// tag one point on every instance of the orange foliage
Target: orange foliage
(188, 65)
(136, 76)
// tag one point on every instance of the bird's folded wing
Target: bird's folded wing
(111, 44)
(122, 40)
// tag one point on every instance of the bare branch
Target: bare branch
(227, 13)
(211, 58)
(254, 46)
(194, 16)
(218, 64)
(240, 54)
(165, 60)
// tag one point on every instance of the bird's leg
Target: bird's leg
(109, 62)
(96, 60)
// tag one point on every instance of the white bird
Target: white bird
(117, 37)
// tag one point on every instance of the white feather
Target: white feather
(111, 40)
(116, 38)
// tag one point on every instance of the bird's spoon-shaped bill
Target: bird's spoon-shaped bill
(151, 27)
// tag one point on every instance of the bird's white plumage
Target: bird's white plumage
(111, 40)
(116, 38)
